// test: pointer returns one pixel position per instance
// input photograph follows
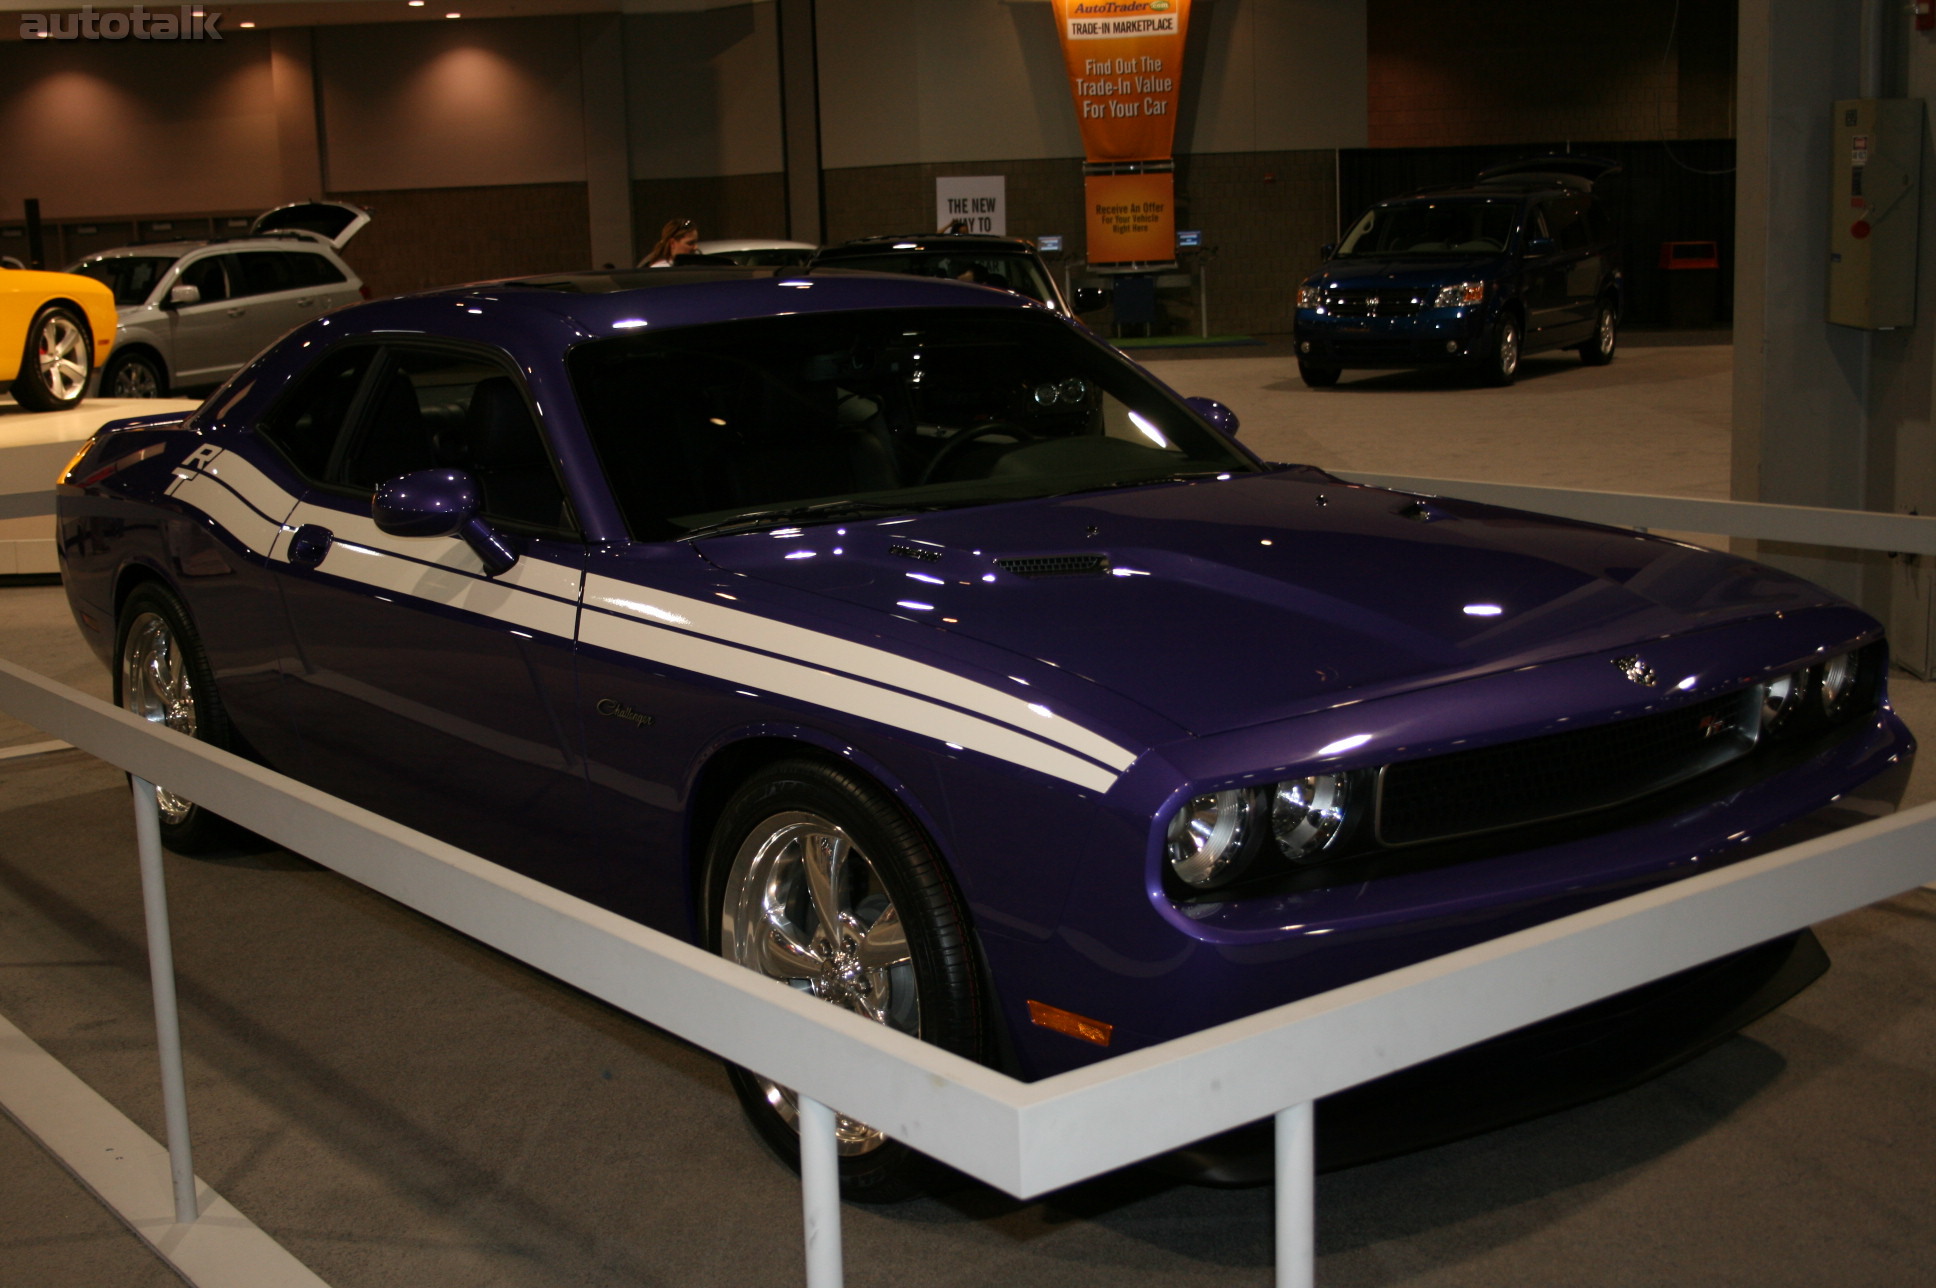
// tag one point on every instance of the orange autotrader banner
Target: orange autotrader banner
(1125, 60)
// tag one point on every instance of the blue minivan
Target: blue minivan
(1474, 275)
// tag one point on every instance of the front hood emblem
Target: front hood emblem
(1636, 670)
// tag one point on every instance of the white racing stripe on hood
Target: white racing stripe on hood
(877, 664)
(637, 637)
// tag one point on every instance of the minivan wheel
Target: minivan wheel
(133, 375)
(1316, 375)
(1502, 356)
(1598, 351)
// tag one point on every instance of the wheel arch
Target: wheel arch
(733, 760)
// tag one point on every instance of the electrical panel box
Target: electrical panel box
(1874, 208)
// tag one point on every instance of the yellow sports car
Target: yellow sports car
(54, 328)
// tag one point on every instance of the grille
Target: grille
(1562, 774)
(1055, 565)
(1373, 304)
(925, 554)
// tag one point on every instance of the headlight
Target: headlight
(1462, 293)
(1310, 297)
(1835, 680)
(1308, 813)
(1208, 837)
(1780, 698)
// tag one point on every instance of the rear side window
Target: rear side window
(265, 271)
(306, 269)
(1566, 222)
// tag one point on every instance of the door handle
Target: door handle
(304, 303)
(236, 313)
(309, 544)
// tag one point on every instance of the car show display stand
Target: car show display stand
(33, 447)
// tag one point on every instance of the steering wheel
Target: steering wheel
(952, 448)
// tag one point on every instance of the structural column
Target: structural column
(608, 150)
(800, 120)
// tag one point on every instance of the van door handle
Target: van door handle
(309, 544)
(236, 313)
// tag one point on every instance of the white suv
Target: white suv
(191, 313)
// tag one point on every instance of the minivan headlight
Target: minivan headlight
(1310, 297)
(1460, 293)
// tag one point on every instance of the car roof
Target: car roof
(753, 243)
(960, 243)
(615, 301)
(279, 241)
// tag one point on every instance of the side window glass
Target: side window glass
(209, 277)
(313, 270)
(264, 271)
(434, 407)
(306, 423)
(1567, 220)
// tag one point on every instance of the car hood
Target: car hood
(1225, 604)
(1415, 272)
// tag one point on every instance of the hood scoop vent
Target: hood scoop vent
(1084, 565)
(924, 554)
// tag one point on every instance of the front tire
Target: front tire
(1501, 363)
(133, 375)
(1598, 351)
(817, 878)
(56, 363)
(161, 674)
(1317, 375)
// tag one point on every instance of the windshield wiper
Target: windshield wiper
(820, 512)
(1183, 476)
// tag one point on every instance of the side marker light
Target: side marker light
(1045, 1016)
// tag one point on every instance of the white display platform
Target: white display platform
(33, 447)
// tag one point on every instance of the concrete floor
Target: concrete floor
(397, 1105)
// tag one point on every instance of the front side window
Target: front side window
(759, 422)
(210, 276)
(309, 420)
(132, 278)
(1458, 226)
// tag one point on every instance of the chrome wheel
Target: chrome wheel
(62, 356)
(156, 686)
(805, 905)
(1598, 351)
(1502, 362)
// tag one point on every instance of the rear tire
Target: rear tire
(56, 362)
(161, 674)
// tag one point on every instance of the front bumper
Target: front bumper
(1431, 337)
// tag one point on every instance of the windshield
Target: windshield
(1010, 272)
(132, 278)
(1465, 227)
(821, 417)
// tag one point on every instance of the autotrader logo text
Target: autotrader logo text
(188, 22)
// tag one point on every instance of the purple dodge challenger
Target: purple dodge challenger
(899, 640)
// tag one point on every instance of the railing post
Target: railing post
(1296, 1199)
(161, 973)
(820, 1193)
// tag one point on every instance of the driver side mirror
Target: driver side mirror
(1090, 298)
(1219, 416)
(1539, 245)
(184, 294)
(1327, 250)
(441, 503)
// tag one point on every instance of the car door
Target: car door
(1543, 275)
(278, 294)
(1577, 266)
(203, 343)
(421, 687)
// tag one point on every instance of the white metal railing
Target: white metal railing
(1030, 1138)
(1025, 1138)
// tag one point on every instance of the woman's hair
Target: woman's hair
(662, 249)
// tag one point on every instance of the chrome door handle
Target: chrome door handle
(304, 303)
(236, 313)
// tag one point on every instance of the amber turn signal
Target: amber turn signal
(1076, 1026)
